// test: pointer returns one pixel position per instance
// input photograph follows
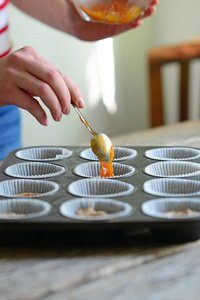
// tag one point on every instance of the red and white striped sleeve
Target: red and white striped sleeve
(5, 42)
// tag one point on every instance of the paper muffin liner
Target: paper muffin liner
(93, 169)
(120, 153)
(173, 153)
(113, 208)
(35, 188)
(173, 169)
(13, 209)
(165, 208)
(34, 170)
(99, 188)
(172, 187)
(43, 153)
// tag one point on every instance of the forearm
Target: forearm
(50, 12)
(62, 15)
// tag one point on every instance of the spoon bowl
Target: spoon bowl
(100, 142)
(102, 147)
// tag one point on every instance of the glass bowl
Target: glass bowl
(111, 11)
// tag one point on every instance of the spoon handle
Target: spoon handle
(83, 120)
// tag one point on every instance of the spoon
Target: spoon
(100, 142)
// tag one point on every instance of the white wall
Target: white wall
(173, 21)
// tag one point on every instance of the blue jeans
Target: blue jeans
(10, 130)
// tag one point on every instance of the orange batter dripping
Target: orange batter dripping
(107, 167)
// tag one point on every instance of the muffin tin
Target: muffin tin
(57, 181)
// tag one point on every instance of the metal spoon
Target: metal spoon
(100, 142)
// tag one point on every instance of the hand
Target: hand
(25, 74)
(151, 9)
(87, 31)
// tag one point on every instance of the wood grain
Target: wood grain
(135, 266)
(179, 134)
(81, 271)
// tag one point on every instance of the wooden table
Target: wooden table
(134, 267)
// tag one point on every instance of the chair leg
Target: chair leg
(184, 90)
(156, 101)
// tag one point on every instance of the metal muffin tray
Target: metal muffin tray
(148, 181)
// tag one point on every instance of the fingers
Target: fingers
(52, 84)
(34, 108)
(55, 89)
(27, 102)
(75, 93)
(151, 9)
(32, 86)
(46, 83)
(154, 2)
(72, 89)
(28, 75)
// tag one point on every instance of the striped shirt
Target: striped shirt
(5, 42)
(10, 130)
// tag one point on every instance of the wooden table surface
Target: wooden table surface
(134, 267)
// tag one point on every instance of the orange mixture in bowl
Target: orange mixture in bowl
(114, 12)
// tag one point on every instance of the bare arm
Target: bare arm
(62, 15)
(50, 12)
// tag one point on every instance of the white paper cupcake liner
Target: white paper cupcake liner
(14, 187)
(34, 170)
(114, 209)
(13, 209)
(43, 153)
(172, 187)
(120, 153)
(93, 169)
(173, 153)
(161, 208)
(100, 188)
(173, 169)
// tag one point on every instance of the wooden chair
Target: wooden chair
(157, 57)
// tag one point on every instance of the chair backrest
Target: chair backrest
(157, 57)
